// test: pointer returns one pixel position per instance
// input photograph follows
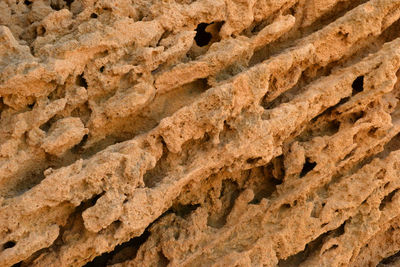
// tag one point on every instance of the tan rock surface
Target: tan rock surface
(199, 133)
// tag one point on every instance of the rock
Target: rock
(63, 135)
(200, 133)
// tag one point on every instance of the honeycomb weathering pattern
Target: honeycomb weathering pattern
(199, 133)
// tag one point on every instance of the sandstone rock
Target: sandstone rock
(199, 133)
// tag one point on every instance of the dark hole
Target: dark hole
(343, 100)
(202, 37)
(55, 6)
(302, 256)
(387, 199)
(31, 105)
(350, 154)
(94, 199)
(308, 166)
(17, 264)
(93, 15)
(278, 171)
(46, 126)
(358, 85)
(99, 261)
(356, 116)
(276, 181)
(9, 244)
(392, 259)
(266, 190)
(102, 69)
(153, 176)
(292, 11)
(41, 30)
(340, 230)
(163, 260)
(78, 148)
(69, 2)
(372, 131)
(27, 2)
(130, 248)
(253, 160)
(333, 247)
(184, 210)
(81, 81)
(157, 70)
(332, 127)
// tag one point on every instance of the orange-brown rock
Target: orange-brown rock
(199, 133)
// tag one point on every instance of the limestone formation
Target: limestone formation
(199, 133)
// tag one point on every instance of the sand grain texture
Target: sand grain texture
(199, 133)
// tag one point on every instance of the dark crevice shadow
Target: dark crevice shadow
(202, 37)
(128, 251)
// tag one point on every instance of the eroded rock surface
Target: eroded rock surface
(199, 133)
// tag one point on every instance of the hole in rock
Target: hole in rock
(121, 253)
(272, 176)
(202, 37)
(93, 15)
(164, 261)
(46, 126)
(343, 100)
(266, 190)
(297, 259)
(55, 6)
(332, 127)
(228, 195)
(391, 259)
(153, 176)
(101, 69)
(78, 148)
(372, 131)
(285, 207)
(339, 231)
(27, 2)
(69, 2)
(278, 168)
(81, 81)
(353, 117)
(307, 167)
(40, 30)
(253, 160)
(350, 154)
(387, 199)
(184, 210)
(9, 244)
(358, 85)
(332, 247)
(392, 145)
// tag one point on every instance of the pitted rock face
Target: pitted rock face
(199, 133)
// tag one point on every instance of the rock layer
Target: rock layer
(199, 133)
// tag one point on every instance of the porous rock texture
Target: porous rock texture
(199, 132)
